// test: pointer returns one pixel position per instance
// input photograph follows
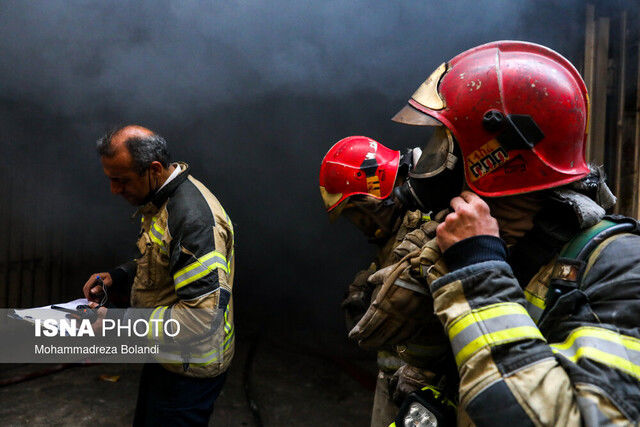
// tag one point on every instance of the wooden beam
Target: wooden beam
(599, 116)
(622, 205)
(589, 65)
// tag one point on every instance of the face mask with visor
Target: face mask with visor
(437, 175)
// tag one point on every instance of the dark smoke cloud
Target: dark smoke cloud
(251, 94)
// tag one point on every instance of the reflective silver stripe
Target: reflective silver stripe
(227, 325)
(204, 359)
(490, 326)
(203, 266)
(533, 311)
(157, 314)
(618, 351)
(154, 231)
(487, 326)
(535, 305)
(411, 286)
(156, 234)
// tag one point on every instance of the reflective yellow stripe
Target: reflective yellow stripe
(535, 300)
(156, 233)
(157, 314)
(484, 313)
(155, 239)
(490, 326)
(497, 338)
(227, 325)
(227, 340)
(604, 334)
(618, 351)
(203, 266)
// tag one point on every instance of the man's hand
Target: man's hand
(470, 217)
(102, 313)
(94, 292)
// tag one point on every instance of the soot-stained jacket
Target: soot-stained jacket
(184, 272)
(541, 340)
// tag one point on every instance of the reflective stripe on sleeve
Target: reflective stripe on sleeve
(157, 315)
(535, 305)
(200, 268)
(615, 350)
(490, 326)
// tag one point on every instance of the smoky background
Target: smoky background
(251, 94)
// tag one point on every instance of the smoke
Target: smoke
(251, 94)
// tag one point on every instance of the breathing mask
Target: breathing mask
(436, 176)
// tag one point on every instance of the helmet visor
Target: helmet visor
(437, 155)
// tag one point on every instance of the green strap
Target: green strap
(575, 245)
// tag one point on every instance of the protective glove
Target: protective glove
(400, 308)
(429, 263)
(415, 239)
(357, 297)
(408, 379)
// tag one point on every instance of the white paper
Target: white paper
(46, 312)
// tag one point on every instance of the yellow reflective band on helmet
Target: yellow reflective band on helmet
(610, 348)
(490, 326)
(157, 315)
(203, 266)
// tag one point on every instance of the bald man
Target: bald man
(185, 268)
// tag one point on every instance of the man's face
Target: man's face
(125, 181)
(371, 216)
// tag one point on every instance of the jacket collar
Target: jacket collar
(165, 192)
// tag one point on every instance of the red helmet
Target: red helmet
(357, 165)
(518, 111)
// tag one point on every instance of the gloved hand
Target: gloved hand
(415, 239)
(357, 297)
(401, 308)
(429, 262)
(408, 379)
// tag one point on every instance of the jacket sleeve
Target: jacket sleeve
(200, 263)
(509, 373)
(122, 276)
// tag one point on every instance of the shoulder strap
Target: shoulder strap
(570, 265)
(580, 247)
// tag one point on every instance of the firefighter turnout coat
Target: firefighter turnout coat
(541, 337)
(184, 271)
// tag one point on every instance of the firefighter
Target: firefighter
(184, 272)
(369, 184)
(537, 288)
